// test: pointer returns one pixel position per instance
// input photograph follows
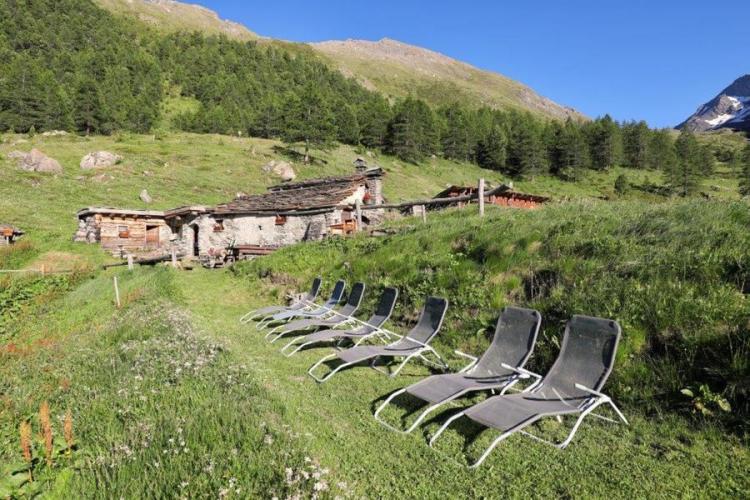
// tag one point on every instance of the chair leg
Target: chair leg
(320, 380)
(445, 426)
(489, 449)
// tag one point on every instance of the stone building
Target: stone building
(248, 225)
(9, 234)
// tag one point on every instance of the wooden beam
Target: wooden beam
(480, 194)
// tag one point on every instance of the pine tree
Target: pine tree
(745, 172)
(456, 134)
(526, 151)
(492, 150)
(635, 139)
(347, 126)
(661, 151)
(684, 177)
(605, 142)
(309, 121)
(412, 133)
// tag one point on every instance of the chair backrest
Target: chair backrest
(430, 320)
(385, 307)
(512, 344)
(587, 355)
(336, 294)
(314, 290)
(354, 299)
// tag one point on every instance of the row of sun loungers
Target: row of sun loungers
(572, 386)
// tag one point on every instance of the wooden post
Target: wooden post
(117, 294)
(481, 197)
(424, 214)
(358, 211)
(174, 256)
(130, 262)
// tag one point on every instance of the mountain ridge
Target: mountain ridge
(729, 109)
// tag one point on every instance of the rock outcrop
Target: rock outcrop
(280, 168)
(36, 161)
(100, 159)
(145, 197)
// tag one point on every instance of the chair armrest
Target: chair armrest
(472, 360)
(522, 372)
(591, 391)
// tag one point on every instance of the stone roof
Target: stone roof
(317, 195)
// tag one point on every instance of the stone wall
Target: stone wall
(216, 232)
(88, 230)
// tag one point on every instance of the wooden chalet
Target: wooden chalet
(501, 197)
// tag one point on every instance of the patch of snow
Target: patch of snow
(720, 119)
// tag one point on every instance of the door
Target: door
(152, 236)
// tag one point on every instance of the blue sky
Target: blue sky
(634, 59)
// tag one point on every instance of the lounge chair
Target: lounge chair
(415, 343)
(342, 317)
(320, 312)
(366, 330)
(512, 344)
(304, 303)
(571, 387)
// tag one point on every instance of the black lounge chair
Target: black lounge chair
(512, 344)
(571, 387)
(367, 329)
(342, 317)
(415, 343)
(320, 312)
(304, 303)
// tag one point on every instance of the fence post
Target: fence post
(481, 197)
(117, 293)
(424, 214)
(130, 262)
(174, 256)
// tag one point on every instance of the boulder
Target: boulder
(145, 197)
(99, 159)
(36, 161)
(281, 169)
(54, 133)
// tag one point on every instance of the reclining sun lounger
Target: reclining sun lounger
(366, 330)
(305, 302)
(571, 387)
(320, 312)
(512, 344)
(415, 343)
(342, 317)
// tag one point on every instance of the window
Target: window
(123, 231)
(280, 220)
(219, 225)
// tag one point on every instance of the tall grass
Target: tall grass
(674, 275)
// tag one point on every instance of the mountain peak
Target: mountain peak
(729, 109)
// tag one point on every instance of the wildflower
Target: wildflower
(25, 432)
(44, 419)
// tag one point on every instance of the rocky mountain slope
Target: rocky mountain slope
(170, 15)
(388, 66)
(730, 109)
(398, 69)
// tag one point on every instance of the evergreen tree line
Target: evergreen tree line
(67, 64)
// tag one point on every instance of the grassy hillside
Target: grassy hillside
(179, 169)
(398, 70)
(170, 393)
(168, 15)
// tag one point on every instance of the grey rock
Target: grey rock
(36, 161)
(100, 159)
(280, 168)
(145, 197)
